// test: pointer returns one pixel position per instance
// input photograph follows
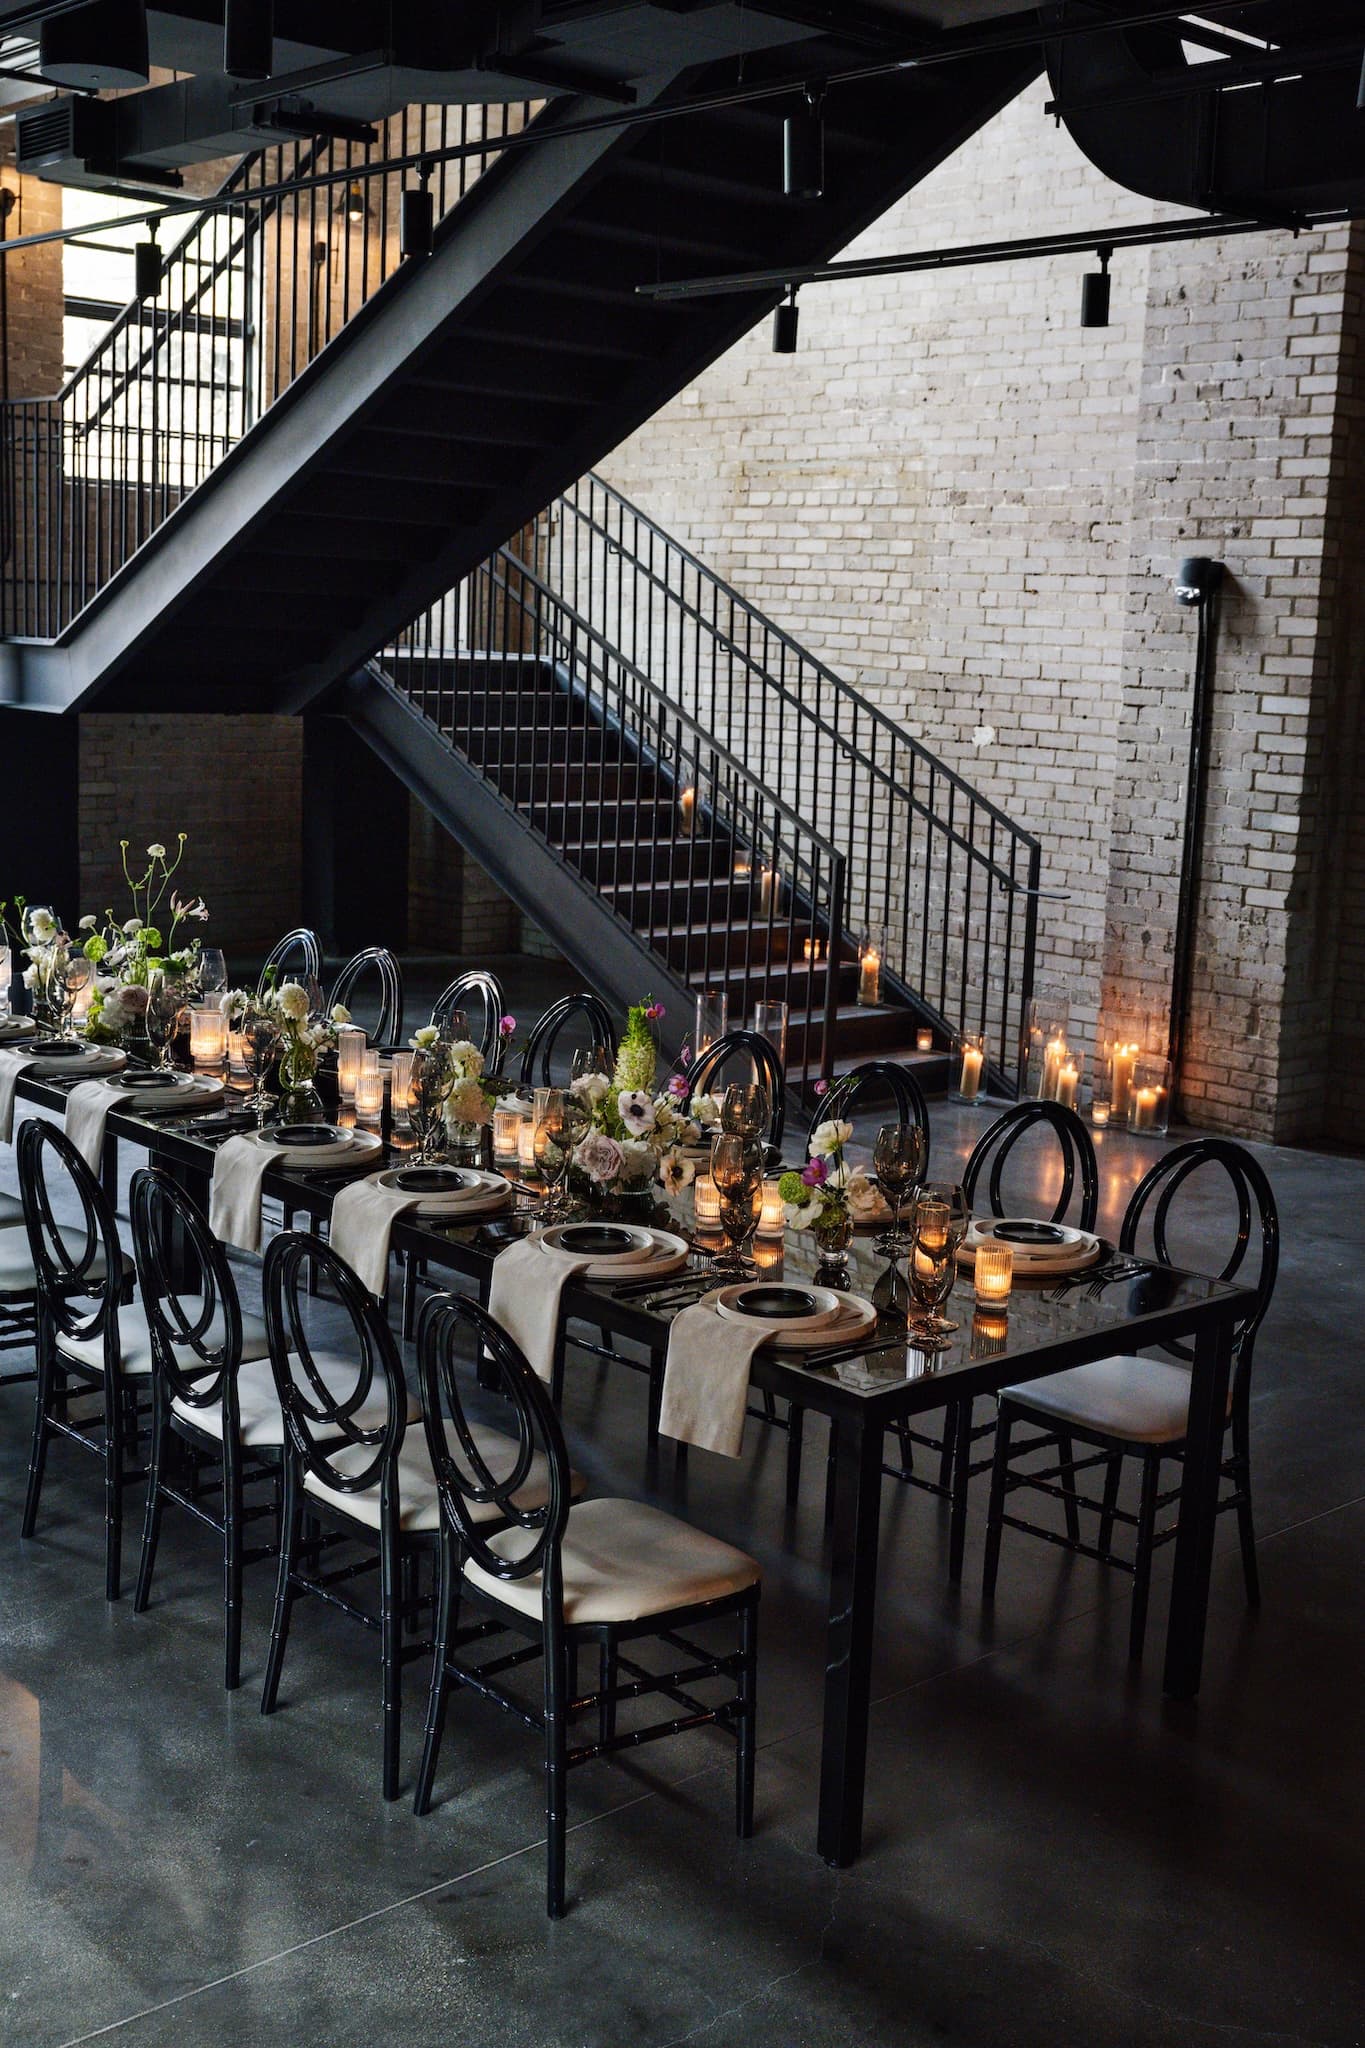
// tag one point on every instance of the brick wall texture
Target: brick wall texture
(972, 509)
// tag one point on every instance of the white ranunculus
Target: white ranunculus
(637, 1160)
(30, 977)
(156, 850)
(706, 1110)
(87, 924)
(636, 1111)
(132, 927)
(592, 1087)
(340, 1014)
(466, 1059)
(829, 1138)
(467, 1104)
(293, 1002)
(424, 1038)
(42, 924)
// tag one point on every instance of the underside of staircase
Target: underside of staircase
(476, 385)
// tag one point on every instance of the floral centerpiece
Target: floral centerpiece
(125, 952)
(637, 1136)
(302, 1036)
(819, 1197)
(471, 1097)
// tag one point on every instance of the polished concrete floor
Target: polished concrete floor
(1053, 1855)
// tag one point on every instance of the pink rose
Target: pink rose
(600, 1158)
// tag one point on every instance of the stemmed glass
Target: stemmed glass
(433, 1082)
(166, 1000)
(959, 1208)
(745, 1111)
(737, 1170)
(260, 1035)
(561, 1121)
(898, 1160)
(212, 971)
(453, 1027)
(592, 1059)
(933, 1268)
(72, 974)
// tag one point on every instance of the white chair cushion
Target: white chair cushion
(16, 1266)
(1142, 1400)
(258, 1407)
(135, 1343)
(622, 1561)
(417, 1492)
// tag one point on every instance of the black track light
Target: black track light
(803, 147)
(149, 268)
(417, 218)
(249, 38)
(1095, 293)
(786, 326)
(96, 48)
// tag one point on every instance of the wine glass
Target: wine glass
(737, 1170)
(591, 1059)
(212, 971)
(898, 1161)
(260, 1035)
(72, 974)
(933, 1268)
(433, 1081)
(745, 1110)
(453, 1027)
(166, 1000)
(959, 1208)
(553, 1146)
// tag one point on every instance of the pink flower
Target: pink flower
(600, 1158)
(822, 1087)
(655, 1012)
(506, 1026)
(678, 1087)
(685, 1056)
(815, 1173)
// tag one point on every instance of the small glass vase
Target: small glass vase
(300, 1102)
(464, 1144)
(833, 1235)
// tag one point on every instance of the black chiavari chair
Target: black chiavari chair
(570, 1013)
(374, 962)
(485, 990)
(295, 957)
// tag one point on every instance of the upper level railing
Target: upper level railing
(257, 286)
(939, 877)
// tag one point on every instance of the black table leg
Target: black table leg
(1199, 1488)
(852, 1609)
(961, 1441)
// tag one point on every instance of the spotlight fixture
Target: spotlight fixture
(786, 325)
(353, 203)
(803, 147)
(1095, 293)
(96, 48)
(249, 38)
(416, 218)
(149, 267)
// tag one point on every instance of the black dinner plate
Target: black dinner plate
(318, 1135)
(152, 1080)
(431, 1180)
(597, 1240)
(55, 1049)
(775, 1304)
(1028, 1233)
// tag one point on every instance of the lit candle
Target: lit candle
(772, 1220)
(237, 1059)
(400, 1086)
(931, 1242)
(369, 1087)
(969, 1080)
(743, 870)
(351, 1043)
(208, 1037)
(1125, 1059)
(1052, 1067)
(1099, 1114)
(507, 1125)
(924, 1040)
(1068, 1084)
(81, 1010)
(814, 951)
(1142, 1109)
(687, 803)
(870, 977)
(706, 1202)
(526, 1144)
(993, 1273)
(768, 887)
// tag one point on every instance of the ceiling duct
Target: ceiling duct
(99, 48)
(1270, 124)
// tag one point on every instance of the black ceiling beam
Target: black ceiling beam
(1181, 83)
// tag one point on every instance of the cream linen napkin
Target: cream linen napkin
(363, 1216)
(12, 1065)
(706, 1378)
(235, 1198)
(528, 1281)
(87, 1112)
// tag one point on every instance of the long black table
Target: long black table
(865, 1396)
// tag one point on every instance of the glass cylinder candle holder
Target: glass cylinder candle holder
(993, 1274)
(770, 1022)
(526, 1144)
(238, 1063)
(870, 954)
(924, 1039)
(400, 1086)
(1123, 1054)
(712, 1019)
(351, 1044)
(990, 1333)
(369, 1088)
(971, 1071)
(507, 1125)
(769, 892)
(772, 1220)
(1149, 1101)
(706, 1202)
(208, 1036)
(1046, 1029)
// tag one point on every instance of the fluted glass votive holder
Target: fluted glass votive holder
(208, 1036)
(369, 1089)
(993, 1275)
(351, 1045)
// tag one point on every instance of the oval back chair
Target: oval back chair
(486, 990)
(706, 1071)
(545, 1032)
(846, 1096)
(1072, 1141)
(377, 961)
(299, 953)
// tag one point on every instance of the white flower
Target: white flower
(706, 1110)
(467, 1104)
(837, 1178)
(827, 1139)
(803, 1215)
(293, 1002)
(637, 1160)
(42, 924)
(132, 928)
(427, 1036)
(30, 977)
(593, 1088)
(157, 850)
(87, 924)
(466, 1059)
(636, 1111)
(676, 1173)
(340, 1014)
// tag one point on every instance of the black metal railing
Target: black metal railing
(937, 875)
(592, 752)
(257, 286)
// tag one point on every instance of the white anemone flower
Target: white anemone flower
(829, 1138)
